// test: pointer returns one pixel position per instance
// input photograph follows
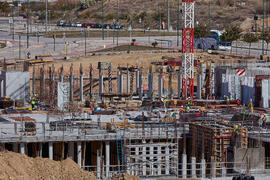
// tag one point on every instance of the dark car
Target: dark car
(98, 26)
(107, 26)
(88, 25)
(67, 24)
(115, 26)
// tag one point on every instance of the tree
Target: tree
(232, 33)
(250, 38)
(265, 36)
(201, 31)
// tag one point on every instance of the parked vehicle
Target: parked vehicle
(115, 26)
(222, 45)
(76, 24)
(107, 26)
(88, 25)
(98, 26)
(67, 24)
(60, 23)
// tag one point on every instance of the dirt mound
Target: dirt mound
(21, 167)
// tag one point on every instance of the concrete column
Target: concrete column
(81, 87)
(100, 84)
(79, 153)
(107, 158)
(120, 83)
(128, 82)
(159, 160)
(137, 81)
(203, 168)
(71, 81)
(160, 86)
(184, 166)
(51, 150)
(61, 77)
(136, 161)
(151, 160)
(15, 147)
(140, 86)
(22, 148)
(179, 85)
(223, 170)
(34, 82)
(199, 86)
(98, 165)
(41, 150)
(144, 161)
(213, 167)
(150, 86)
(71, 150)
(167, 161)
(193, 167)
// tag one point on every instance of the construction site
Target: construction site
(186, 114)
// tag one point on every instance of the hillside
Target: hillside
(219, 13)
(222, 12)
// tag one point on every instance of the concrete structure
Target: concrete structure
(15, 84)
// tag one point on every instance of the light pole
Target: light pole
(117, 22)
(12, 6)
(85, 43)
(263, 29)
(178, 24)
(46, 16)
(19, 46)
(169, 15)
(27, 41)
(49, 22)
(102, 19)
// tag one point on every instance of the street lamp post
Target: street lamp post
(102, 19)
(27, 41)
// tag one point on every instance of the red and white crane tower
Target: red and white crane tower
(188, 48)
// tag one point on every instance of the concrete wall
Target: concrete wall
(16, 84)
(256, 156)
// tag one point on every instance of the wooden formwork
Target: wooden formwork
(213, 139)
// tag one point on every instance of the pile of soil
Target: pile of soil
(20, 167)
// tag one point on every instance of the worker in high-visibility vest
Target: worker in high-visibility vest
(227, 100)
(236, 128)
(33, 102)
(264, 119)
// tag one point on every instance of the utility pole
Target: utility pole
(117, 22)
(12, 6)
(209, 14)
(102, 19)
(27, 36)
(19, 46)
(159, 17)
(263, 29)
(178, 24)
(84, 43)
(169, 15)
(46, 16)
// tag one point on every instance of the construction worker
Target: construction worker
(187, 108)
(264, 120)
(33, 102)
(236, 128)
(227, 100)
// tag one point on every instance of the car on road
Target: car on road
(107, 26)
(60, 23)
(88, 25)
(98, 26)
(67, 24)
(76, 24)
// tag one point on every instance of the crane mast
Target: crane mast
(188, 48)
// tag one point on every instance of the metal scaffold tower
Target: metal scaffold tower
(188, 48)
